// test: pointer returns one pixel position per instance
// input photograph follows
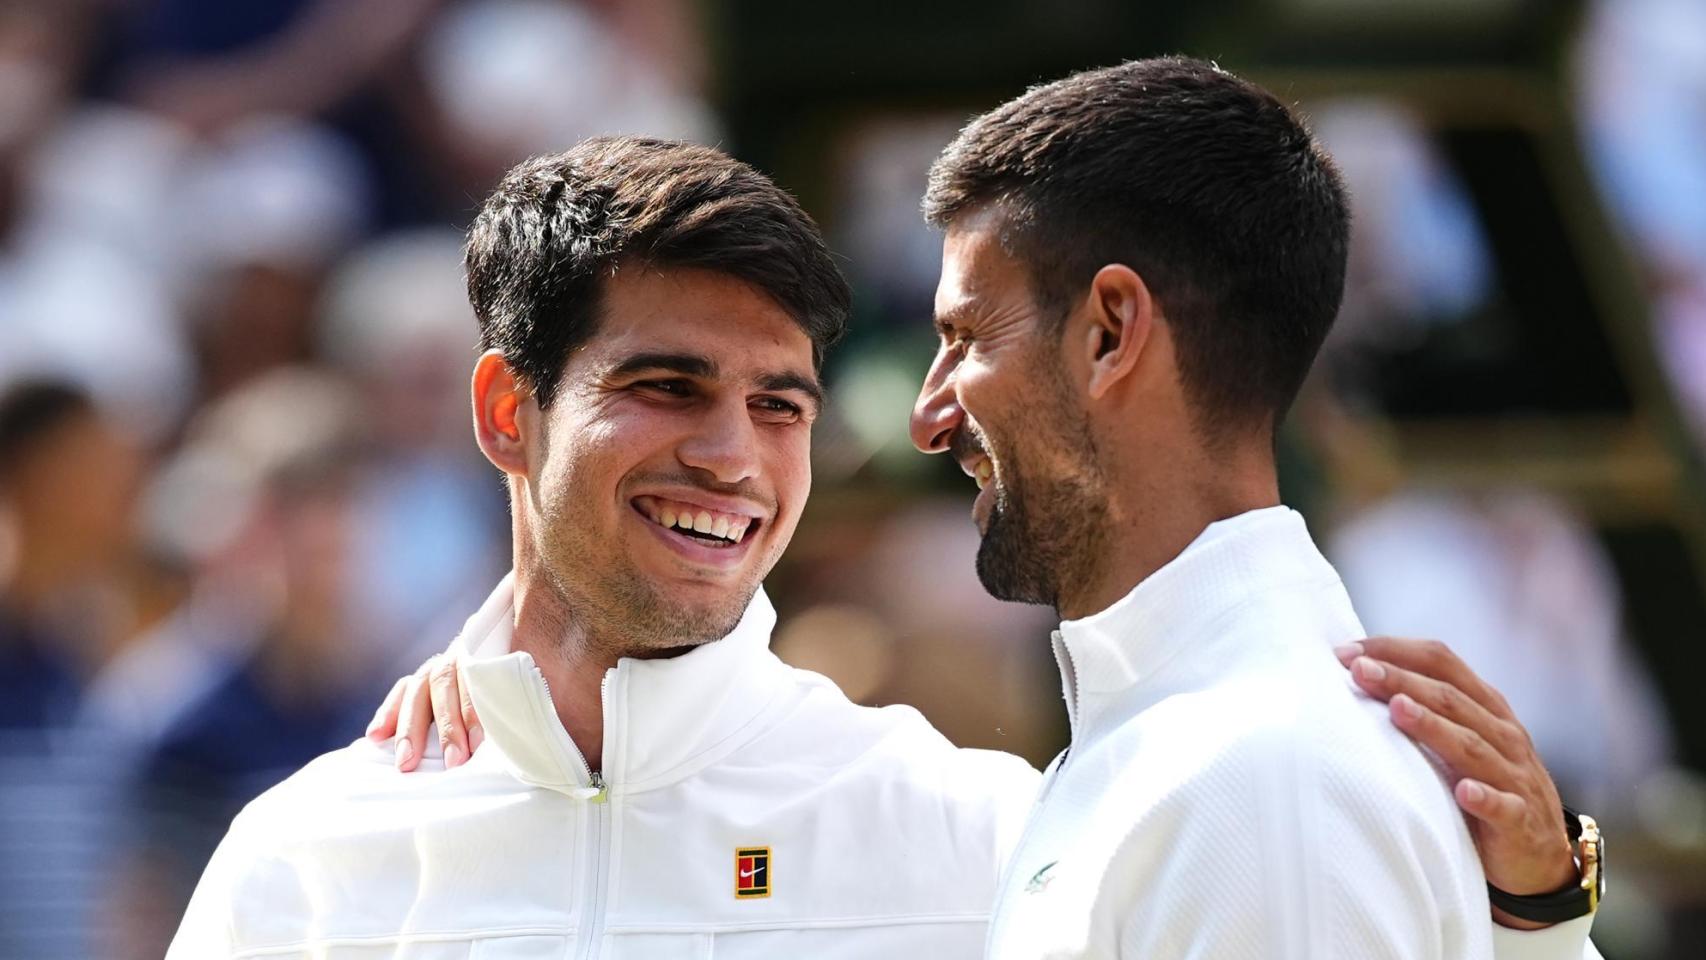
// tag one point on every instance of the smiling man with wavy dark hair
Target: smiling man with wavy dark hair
(653, 781)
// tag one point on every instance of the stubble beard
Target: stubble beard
(616, 609)
(1046, 529)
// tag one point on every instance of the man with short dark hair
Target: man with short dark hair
(654, 782)
(1140, 265)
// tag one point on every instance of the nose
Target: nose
(725, 445)
(937, 413)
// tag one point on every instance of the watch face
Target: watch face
(1591, 849)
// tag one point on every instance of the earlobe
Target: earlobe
(1121, 315)
(498, 396)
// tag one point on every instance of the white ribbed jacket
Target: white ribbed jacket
(1228, 793)
(884, 840)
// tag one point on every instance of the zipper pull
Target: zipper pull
(599, 792)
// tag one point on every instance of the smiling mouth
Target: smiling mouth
(981, 470)
(710, 527)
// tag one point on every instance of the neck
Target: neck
(573, 666)
(1163, 514)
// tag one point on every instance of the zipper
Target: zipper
(597, 812)
(599, 791)
(598, 831)
(598, 850)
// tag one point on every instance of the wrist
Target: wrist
(1578, 896)
(1514, 922)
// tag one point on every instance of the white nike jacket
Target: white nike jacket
(747, 810)
(1229, 794)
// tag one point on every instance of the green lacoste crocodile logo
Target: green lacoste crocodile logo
(1041, 879)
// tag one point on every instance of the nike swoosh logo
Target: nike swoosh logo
(747, 873)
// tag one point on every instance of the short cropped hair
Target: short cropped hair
(558, 226)
(31, 412)
(1205, 184)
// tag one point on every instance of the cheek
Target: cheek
(981, 392)
(789, 464)
(575, 464)
(591, 448)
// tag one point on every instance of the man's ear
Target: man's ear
(1121, 316)
(499, 397)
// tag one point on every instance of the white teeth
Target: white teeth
(730, 527)
(985, 471)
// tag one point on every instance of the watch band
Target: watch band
(1577, 898)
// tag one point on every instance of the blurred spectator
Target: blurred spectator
(66, 486)
(432, 521)
(262, 214)
(512, 78)
(208, 64)
(1522, 590)
(893, 255)
(1642, 92)
(1419, 263)
(66, 482)
(298, 680)
(81, 298)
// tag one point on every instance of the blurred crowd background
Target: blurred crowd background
(238, 494)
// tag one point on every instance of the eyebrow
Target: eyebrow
(694, 365)
(793, 381)
(686, 364)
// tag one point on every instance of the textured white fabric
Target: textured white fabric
(1559, 942)
(884, 838)
(1228, 793)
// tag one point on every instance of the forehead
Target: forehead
(978, 273)
(702, 311)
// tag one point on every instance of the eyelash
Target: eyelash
(675, 388)
(778, 405)
(681, 388)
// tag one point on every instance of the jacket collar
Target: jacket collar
(663, 719)
(1107, 654)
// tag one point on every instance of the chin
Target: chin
(711, 613)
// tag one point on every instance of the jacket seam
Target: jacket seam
(618, 929)
(836, 923)
(442, 936)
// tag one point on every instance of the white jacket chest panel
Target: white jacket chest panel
(871, 852)
(1245, 804)
(882, 837)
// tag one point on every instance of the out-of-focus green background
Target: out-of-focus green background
(234, 227)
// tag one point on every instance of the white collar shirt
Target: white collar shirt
(747, 809)
(1229, 794)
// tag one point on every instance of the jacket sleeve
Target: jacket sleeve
(1564, 941)
(206, 931)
